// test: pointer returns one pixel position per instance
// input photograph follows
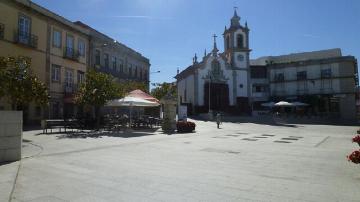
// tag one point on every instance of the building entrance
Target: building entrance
(219, 96)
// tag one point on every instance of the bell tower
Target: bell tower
(236, 43)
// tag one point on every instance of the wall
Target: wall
(10, 135)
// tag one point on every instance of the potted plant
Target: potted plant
(354, 157)
(185, 126)
(356, 139)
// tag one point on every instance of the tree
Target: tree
(19, 85)
(97, 89)
(161, 89)
(129, 86)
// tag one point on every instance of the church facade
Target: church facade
(220, 81)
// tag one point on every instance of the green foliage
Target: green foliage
(161, 89)
(18, 84)
(97, 89)
(129, 86)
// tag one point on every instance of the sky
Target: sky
(170, 32)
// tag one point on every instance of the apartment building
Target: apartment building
(58, 50)
(112, 57)
(324, 79)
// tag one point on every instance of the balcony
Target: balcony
(26, 39)
(70, 88)
(71, 53)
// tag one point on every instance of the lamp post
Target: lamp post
(209, 111)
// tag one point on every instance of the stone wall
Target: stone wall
(10, 135)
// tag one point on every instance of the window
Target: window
(279, 77)
(326, 73)
(69, 79)
(301, 75)
(2, 30)
(56, 38)
(130, 70)
(113, 60)
(97, 57)
(69, 52)
(141, 74)
(146, 75)
(81, 47)
(240, 41)
(121, 66)
(136, 71)
(24, 29)
(258, 88)
(106, 60)
(258, 72)
(80, 77)
(227, 42)
(55, 73)
(215, 66)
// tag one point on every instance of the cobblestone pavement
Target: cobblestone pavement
(239, 162)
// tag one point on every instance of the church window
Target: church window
(227, 42)
(240, 41)
(215, 65)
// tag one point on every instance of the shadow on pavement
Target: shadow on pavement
(100, 134)
(284, 121)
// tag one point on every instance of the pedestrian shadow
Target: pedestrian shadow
(100, 134)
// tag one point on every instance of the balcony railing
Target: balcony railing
(26, 38)
(70, 88)
(71, 53)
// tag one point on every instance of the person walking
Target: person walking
(218, 120)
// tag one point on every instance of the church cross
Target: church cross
(214, 38)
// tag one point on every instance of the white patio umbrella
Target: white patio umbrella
(268, 104)
(299, 104)
(131, 102)
(283, 104)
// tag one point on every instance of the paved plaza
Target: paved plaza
(239, 162)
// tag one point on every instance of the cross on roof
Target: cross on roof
(214, 38)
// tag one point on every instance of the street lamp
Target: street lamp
(209, 94)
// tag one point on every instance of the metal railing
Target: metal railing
(71, 53)
(26, 38)
(70, 88)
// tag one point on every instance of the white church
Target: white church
(231, 82)
(227, 74)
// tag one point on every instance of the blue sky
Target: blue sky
(170, 32)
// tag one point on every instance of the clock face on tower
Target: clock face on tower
(240, 58)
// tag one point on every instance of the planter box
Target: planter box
(10, 135)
